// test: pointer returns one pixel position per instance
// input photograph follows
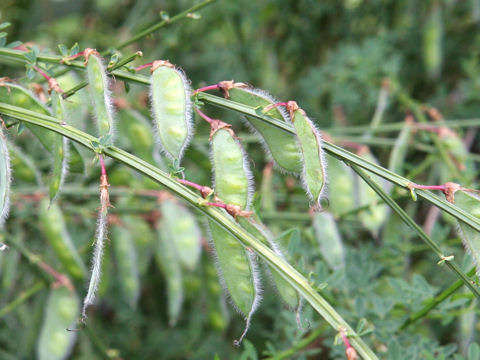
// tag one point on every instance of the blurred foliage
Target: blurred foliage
(331, 57)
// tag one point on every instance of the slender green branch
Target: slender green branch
(411, 223)
(155, 27)
(221, 218)
(435, 301)
(24, 296)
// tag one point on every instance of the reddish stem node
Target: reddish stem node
(144, 66)
(204, 190)
(205, 117)
(349, 350)
(449, 189)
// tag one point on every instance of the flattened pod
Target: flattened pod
(470, 237)
(281, 145)
(144, 241)
(60, 150)
(169, 263)
(289, 295)
(5, 178)
(182, 230)
(238, 272)
(61, 312)
(432, 41)
(171, 108)
(314, 173)
(53, 226)
(231, 173)
(17, 95)
(100, 95)
(23, 167)
(126, 261)
(329, 239)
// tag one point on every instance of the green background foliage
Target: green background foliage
(331, 57)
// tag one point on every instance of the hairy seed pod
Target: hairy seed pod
(329, 239)
(60, 150)
(340, 191)
(169, 263)
(314, 173)
(5, 178)
(61, 312)
(19, 96)
(218, 316)
(469, 202)
(279, 144)
(55, 231)
(181, 229)
(137, 130)
(100, 95)
(432, 41)
(126, 261)
(289, 295)
(238, 273)
(171, 108)
(144, 241)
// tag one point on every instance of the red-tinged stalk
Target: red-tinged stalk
(223, 86)
(144, 66)
(52, 83)
(349, 350)
(449, 189)
(206, 191)
(100, 236)
(205, 117)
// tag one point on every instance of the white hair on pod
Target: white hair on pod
(6, 176)
(100, 236)
(188, 117)
(256, 283)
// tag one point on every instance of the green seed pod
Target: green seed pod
(60, 150)
(135, 129)
(61, 312)
(55, 231)
(181, 228)
(218, 317)
(17, 95)
(172, 271)
(341, 190)
(374, 217)
(171, 108)
(470, 237)
(144, 241)
(280, 145)
(100, 95)
(289, 295)
(126, 261)
(314, 173)
(329, 239)
(232, 177)
(432, 41)
(238, 273)
(77, 105)
(5, 178)
(23, 167)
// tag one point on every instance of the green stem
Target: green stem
(163, 23)
(286, 354)
(434, 302)
(221, 218)
(24, 296)
(411, 223)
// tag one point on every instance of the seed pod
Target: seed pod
(23, 167)
(329, 239)
(172, 271)
(17, 95)
(238, 273)
(126, 261)
(288, 293)
(470, 237)
(279, 144)
(180, 227)
(100, 95)
(455, 146)
(5, 178)
(171, 108)
(144, 241)
(232, 177)
(136, 129)
(60, 150)
(61, 312)
(218, 316)
(374, 217)
(77, 105)
(55, 231)
(432, 41)
(314, 173)
(341, 190)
